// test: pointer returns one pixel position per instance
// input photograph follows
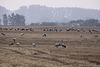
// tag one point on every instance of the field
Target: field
(79, 52)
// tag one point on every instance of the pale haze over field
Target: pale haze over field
(15, 4)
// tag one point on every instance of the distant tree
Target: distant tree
(88, 23)
(49, 24)
(16, 19)
(11, 19)
(73, 23)
(80, 21)
(35, 24)
(91, 23)
(64, 24)
(5, 19)
(19, 20)
(0, 21)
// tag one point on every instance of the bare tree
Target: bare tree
(5, 19)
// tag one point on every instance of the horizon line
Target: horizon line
(46, 6)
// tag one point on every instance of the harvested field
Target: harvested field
(79, 52)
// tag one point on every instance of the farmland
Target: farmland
(79, 52)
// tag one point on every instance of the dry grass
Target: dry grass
(80, 52)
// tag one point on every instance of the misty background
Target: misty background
(58, 16)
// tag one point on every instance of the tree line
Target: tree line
(85, 23)
(13, 19)
(17, 19)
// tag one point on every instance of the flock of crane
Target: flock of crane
(44, 34)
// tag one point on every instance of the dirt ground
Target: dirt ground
(79, 52)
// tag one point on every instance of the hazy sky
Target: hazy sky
(15, 4)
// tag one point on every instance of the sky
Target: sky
(15, 4)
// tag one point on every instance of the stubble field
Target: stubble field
(79, 52)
